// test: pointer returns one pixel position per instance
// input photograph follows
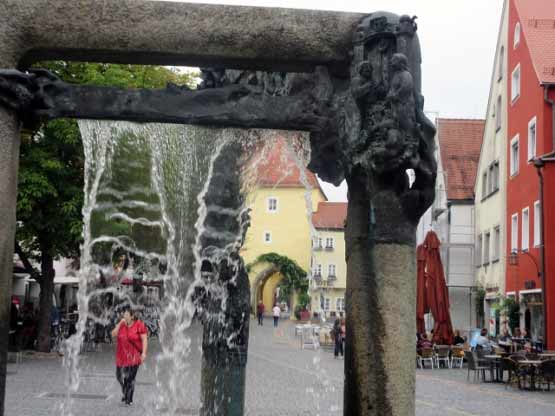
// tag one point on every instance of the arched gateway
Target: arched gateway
(353, 81)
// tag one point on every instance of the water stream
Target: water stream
(153, 216)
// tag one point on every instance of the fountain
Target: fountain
(356, 90)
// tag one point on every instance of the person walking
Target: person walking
(276, 312)
(132, 346)
(260, 312)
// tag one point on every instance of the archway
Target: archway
(260, 289)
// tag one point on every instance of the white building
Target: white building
(490, 188)
(329, 269)
(451, 215)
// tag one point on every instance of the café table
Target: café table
(547, 355)
(533, 365)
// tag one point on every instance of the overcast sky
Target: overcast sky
(458, 39)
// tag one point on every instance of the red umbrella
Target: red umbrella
(421, 303)
(437, 292)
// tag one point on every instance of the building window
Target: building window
(272, 204)
(479, 250)
(514, 233)
(525, 229)
(340, 304)
(532, 139)
(267, 237)
(514, 155)
(329, 243)
(496, 243)
(495, 176)
(501, 64)
(515, 83)
(318, 270)
(498, 114)
(487, 240)
(484, 185)
(491, 185)
(537, 224)
(327, 303)
(317, 243)
(516, 39)
(331, 270)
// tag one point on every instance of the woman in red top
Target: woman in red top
(132, 345)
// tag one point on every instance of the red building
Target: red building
(531, 86)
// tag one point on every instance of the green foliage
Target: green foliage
(51, 173)
(304, 300)
(509, 307)
(294, 277)
(480, 296)
(50, 189)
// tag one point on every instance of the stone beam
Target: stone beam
(231, 106)
(170, 33)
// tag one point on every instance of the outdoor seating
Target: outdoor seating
(457, 356)
(442, 355)
(547, 373)
(427, 354)
(516, 373)
(473, 365)
(517, 357)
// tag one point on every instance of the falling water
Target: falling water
(159, 223)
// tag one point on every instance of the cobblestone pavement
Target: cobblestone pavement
(282, 380)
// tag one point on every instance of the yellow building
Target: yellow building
(279, 221)
(329, 269)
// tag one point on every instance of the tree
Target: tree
(50, 184)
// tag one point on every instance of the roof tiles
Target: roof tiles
(330, 215)
(537, 19)
(279, 168)
(460, 141)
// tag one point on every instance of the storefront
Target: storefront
(531, 313)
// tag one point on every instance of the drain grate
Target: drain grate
(84, 396)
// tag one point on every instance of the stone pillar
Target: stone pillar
(9, 155)
(224, 300)
(381, 304)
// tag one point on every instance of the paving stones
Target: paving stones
(282, 380)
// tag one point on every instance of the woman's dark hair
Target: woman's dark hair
(131, 311)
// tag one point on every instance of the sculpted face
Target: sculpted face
(399, 61)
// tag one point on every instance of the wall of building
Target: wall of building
(457, 234)
(490, 210)
(323, 289)
(290, 231)
(523, 187)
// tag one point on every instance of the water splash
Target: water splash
(149, 216)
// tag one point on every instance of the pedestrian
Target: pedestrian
(260, 312)
(132, 346)
(277, 312)
(337, 335)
